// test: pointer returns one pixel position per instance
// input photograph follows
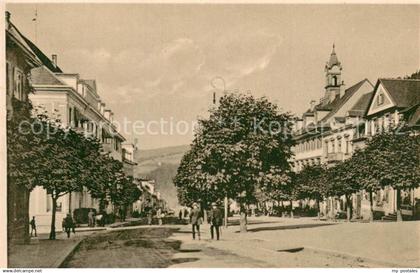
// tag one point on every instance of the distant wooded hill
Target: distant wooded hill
(161, 165)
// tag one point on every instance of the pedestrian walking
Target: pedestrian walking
(33, 226)
(180, 214)
(215, 219)
(196, 219)
(149, 213)
(69, 225)
(91, 218)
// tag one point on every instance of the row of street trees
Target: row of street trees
(391, 158)
(243, 150)
(41, 152)
(243, 147)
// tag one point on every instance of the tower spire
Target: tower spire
(333, 83)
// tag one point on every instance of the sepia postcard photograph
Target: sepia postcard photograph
(210, 135)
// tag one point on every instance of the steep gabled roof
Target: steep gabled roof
(13, 32)
(361, 106)
(414, 120)
(42, 76)
(404, 93)
(336, 104)
(44, 59)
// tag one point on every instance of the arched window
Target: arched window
(334, 81)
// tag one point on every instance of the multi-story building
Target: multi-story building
(20, 59)
(128, 156)
(325, 132)
(149, 196)
(76, 103)
(393, 101)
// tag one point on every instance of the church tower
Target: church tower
(333, 82)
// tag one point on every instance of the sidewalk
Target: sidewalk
(312, 243)
(44, 253)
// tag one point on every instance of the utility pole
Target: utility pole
(35, 19)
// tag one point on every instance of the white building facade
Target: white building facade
(324, 135)
(76, 103)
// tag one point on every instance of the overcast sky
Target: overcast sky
(159, 61)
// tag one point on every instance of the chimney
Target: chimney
(313, 105)
(111, 117)
(8, 19)
(107, 114)
(102, 109)
(54, 59)
(342, 89)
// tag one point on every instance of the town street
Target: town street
(275, 242)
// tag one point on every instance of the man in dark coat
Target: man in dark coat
(215, 219)
(180, 214)
(196, 219)
(33, 226)
(69, 225)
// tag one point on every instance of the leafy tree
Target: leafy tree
(415, 75)
(124, 194)
(342, 180)
(391, 158)
(311, 183)
(22, 156)
(245, 144)
(64, 160)
(104, 178)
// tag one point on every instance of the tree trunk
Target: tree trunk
(70, 203)
(348, 207)
(101, 205)
(226, 201)
(242, 220)
(371, 206)
(413, 203)
(319, 209)
(282, 208)
(332, 208)
(54, 210)
(27, 238)
(291, 209)
(399, 214)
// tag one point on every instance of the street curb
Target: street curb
(68, 253)
(352, 256)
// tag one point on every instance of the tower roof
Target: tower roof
(333, 58)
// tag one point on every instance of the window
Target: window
(48, 202)
(339, 145)
(334, 81)
(18, 85)
(347, 146)
(374, 126)
(70, 116)
(385, 122)
(7, 78)
(59, 207)
(380, 100)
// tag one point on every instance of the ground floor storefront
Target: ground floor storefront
(40, 206)
(384, 205)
